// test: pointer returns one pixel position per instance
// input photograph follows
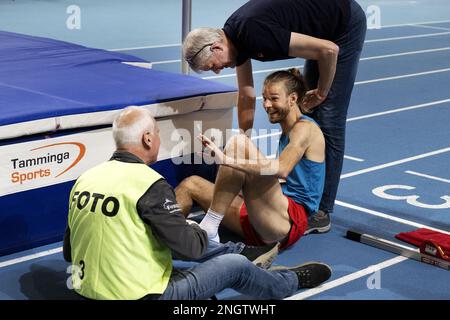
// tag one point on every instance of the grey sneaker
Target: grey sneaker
(262, 256)
(310, 274)
(318, 223)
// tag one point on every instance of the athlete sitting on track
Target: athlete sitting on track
(268, 212)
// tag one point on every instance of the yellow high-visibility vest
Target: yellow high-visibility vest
(115, 255)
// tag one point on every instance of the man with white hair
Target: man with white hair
(124, 224)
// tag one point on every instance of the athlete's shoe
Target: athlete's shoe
(262, 256)
(318, 223)
(310, 274)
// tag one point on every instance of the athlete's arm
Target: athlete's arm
(299, 141)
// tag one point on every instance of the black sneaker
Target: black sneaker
(318, 223)
(262, 256)
(310, 274)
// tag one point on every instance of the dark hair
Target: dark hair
(293, 82)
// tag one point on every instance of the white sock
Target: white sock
(210, 224)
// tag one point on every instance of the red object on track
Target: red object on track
(430, 242)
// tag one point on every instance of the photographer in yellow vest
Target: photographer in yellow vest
(124, 225)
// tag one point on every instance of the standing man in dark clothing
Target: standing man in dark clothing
(124, 225)
(329, 34)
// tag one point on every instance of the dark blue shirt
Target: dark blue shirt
(261, 29)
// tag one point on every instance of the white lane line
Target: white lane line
(410, 75)
(413, 23)
(30, 257)
(404, 53)
(147, 47)
(430, 27)
(354, 158)
(427, 176)
(348, 278)
(262, 136)
(227, 75)
(409, 37)
(394, 163)
(167, 61)
(388, 217)
(254, 72)
(418, 106)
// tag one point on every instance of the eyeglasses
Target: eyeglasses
(191, 59)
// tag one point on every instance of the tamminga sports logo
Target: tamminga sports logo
(46, 161)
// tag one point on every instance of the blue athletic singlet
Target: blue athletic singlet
(305, 183)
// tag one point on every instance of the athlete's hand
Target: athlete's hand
(311, 100)
(210, 150)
